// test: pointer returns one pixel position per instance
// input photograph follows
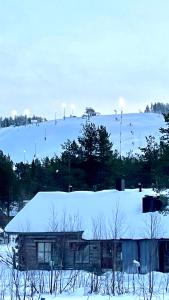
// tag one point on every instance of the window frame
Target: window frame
(82, 255)
(44, 255)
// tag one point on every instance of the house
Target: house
(92, 231)
(89, 112)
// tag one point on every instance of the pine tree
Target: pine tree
(71, 168)
(147, 110)
(149, 161)
(163, 166)
(88, 163)
(96, 150)
(7, 182)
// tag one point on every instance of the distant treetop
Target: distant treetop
(20, 121)
(157, 107)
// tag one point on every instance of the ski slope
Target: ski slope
(24, 143)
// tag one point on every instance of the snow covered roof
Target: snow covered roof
(102, 214)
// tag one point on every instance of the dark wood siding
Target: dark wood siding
(61, 255)
(149, 258)
(129, 255)
(70, 251)
(164, 256)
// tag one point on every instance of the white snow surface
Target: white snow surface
(24, 143)
(102, 214)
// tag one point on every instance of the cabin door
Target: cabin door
(111, 255)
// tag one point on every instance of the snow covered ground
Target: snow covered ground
(25, 142)
(77, 285)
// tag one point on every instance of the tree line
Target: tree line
(157, 107)
(20, 120)
(88, 163)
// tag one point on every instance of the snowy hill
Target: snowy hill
(26, 142)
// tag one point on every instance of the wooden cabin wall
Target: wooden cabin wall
(111, 255)
(87, 255)
(67, 255)
(62, 256)
(70, 251)
(26, 253)
(129, 254)
(95, 255)
(149, 257)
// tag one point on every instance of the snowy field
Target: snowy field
(74, 285)
(26, 142)
(77, 285)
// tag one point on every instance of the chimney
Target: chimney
(120, 184)
(151, 204)
(70, 188)
(140, 186)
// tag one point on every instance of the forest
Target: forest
(88, 163)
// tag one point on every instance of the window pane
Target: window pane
(40, 246)
(48, 247)
(47, 256)
(40, 256)
(44, 252)
(82, 256)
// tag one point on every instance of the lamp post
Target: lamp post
(14, 114)
(64, 109)
(72, 107)
(122, 106)
(26, 114)
(24, 156)
(35, 151)
(120, 182)
(45, 134)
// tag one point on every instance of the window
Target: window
(44, 252)
(82, 254)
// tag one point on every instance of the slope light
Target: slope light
(13, 113)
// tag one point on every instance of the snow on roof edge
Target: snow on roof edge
(88, 211)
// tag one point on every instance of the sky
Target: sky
(82, 53)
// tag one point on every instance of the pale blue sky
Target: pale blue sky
(85, 52)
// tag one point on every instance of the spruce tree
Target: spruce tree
(96, 150)
(149, 161)
(7, 182)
